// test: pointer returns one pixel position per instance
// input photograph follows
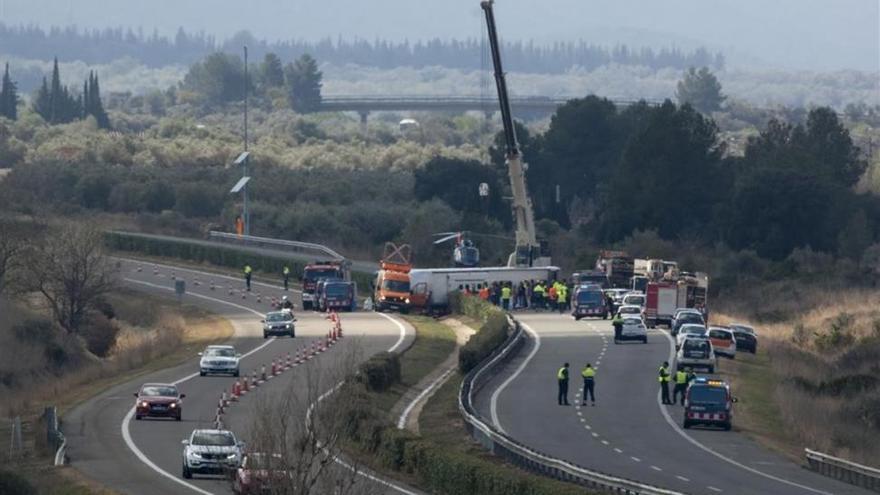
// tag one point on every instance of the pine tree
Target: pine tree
(304, 84)
(56, 101)
(92, 104)
(42, 104)
(8, 97)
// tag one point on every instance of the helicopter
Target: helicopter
(465, 252)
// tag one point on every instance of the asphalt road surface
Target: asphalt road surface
(628, 433)
(144, 457)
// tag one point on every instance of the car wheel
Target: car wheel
(179, 416)
(202, 373)
(577, 318)
(137, 417)
(645, 340)
(237, 373)
(292, 334)
(727, 426)
(686, 425)
(711, 369)
(265, 335)
(187, 473)
(605, 316)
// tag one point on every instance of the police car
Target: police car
(708, 402)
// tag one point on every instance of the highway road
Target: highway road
(144, 457)
(628, 433)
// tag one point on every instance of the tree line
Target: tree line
(102, 46)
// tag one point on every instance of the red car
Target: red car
(158, 400)
(261, 473)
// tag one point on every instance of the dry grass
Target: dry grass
(815, 382)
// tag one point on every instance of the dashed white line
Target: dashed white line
(682, 478)
(635, 459)
(714, 489)
(604, 442)
(655, 468)
(595, 435)
(618, 450)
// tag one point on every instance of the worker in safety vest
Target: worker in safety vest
(589, 374)
(617, 323)
(538, 293)
(562, 379)
(552, 297)
(562, 297)
(505, 297)
(247, 276)
(663, 377)
(484, 293)
(681, 383)
(285, 274)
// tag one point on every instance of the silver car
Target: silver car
(211, 452)
(219, 359)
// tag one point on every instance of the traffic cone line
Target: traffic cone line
(289, 363)
(245, 387)
(263, 373)
(255, 383)
(140, 268)
(220, 404)
(236, 390)
(258, 297)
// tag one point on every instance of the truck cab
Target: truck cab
(337, 295)
(391, 290)
(708, 402)
(313, 273)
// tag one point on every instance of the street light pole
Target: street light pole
(247, 219)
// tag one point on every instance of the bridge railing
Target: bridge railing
(501, 444)
(841, 469)
(277, 244)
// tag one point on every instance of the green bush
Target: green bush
(489, 337)
(99, 334)
(15, 484)
(381, 371)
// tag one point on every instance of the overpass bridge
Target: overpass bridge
(521, 105)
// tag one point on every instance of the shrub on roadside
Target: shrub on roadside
(99, 334)
(482, 344)
(380, 372)
(15, 484)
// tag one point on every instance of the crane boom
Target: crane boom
(528, 251)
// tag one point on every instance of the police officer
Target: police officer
(589, 374)
(663, 377)
(681, 383)
(247, 276)
(617, 323)
(285, 273)
(505, 297)
(562, 378)
(538, 292)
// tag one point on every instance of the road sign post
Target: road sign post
(179, 289)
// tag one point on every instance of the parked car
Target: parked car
(694, 353)
(637, 299)
(629, 310)
(690, 330)
(680, 311)
(159, 400)
(746, 337)
(211, 452)
(219, 359)
(633, 329)
(686, 319)
(723, 341)
(708, 401)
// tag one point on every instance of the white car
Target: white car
(633, 329)
(219, 360)
(637, 299)
(695, 352)
(690, 330)
(723, 341)
(211, 452)
(680, 311)
(629, 310)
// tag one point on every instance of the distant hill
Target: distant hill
(803, 34)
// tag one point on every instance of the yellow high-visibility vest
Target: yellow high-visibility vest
(681, 377)
(562, 374)
(588, 373)
(664, 375)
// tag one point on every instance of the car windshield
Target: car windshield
(589, 297)
(742, 328)
(319, 273)
(720, 335)
(213, 438)
(696, 346)
(276, 317)
(693, 330)
(395, 285)
(336, 290)
(708, 395)
(220, 352)
(634, 300)
(159, 391)
(632, 321)
(690, 317)
(630, 310)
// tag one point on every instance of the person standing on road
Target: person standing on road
(505, 297)
(589, 374)
(285, 274)
(663, 377)
(562, 379)
(681, 383)
(247, 276)
(563, 297)
(552, 296)
(617, 323)
(539, 295)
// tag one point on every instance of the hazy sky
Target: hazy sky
(804, 34)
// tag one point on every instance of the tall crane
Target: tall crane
(528, 250)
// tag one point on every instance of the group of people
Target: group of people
(550, 295)
(248, 274)
(681, 379)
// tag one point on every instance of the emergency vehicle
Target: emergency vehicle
(314, 272)
(708, 402)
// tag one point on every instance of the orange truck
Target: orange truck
(392, 285)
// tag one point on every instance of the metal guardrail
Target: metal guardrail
(521, 455)
(266, 242)
(843, 470)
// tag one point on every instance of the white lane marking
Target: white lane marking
(401, 422)
(655, 468)
(193, 294)
(400, 327)
(209, 274)
(493, 408)
(635, 459)
(588, 427)
(604, 442)
(682, 478)
(714, 489)
(595, 435)
(724, 458)
(618, 450)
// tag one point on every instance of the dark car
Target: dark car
(158, 400)
(708, 402)
(687, 318)
(746, 338)
(279, 323)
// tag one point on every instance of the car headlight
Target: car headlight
(193, 455)
(145, 404)
(288, 326)
(406, 301)
(232, 456)
(173, 405)
(381, 298)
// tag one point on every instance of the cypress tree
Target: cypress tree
(92, 101)
(42, 104)
(8, 97)
(57, 102)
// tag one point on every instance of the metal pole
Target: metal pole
(247, 220)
